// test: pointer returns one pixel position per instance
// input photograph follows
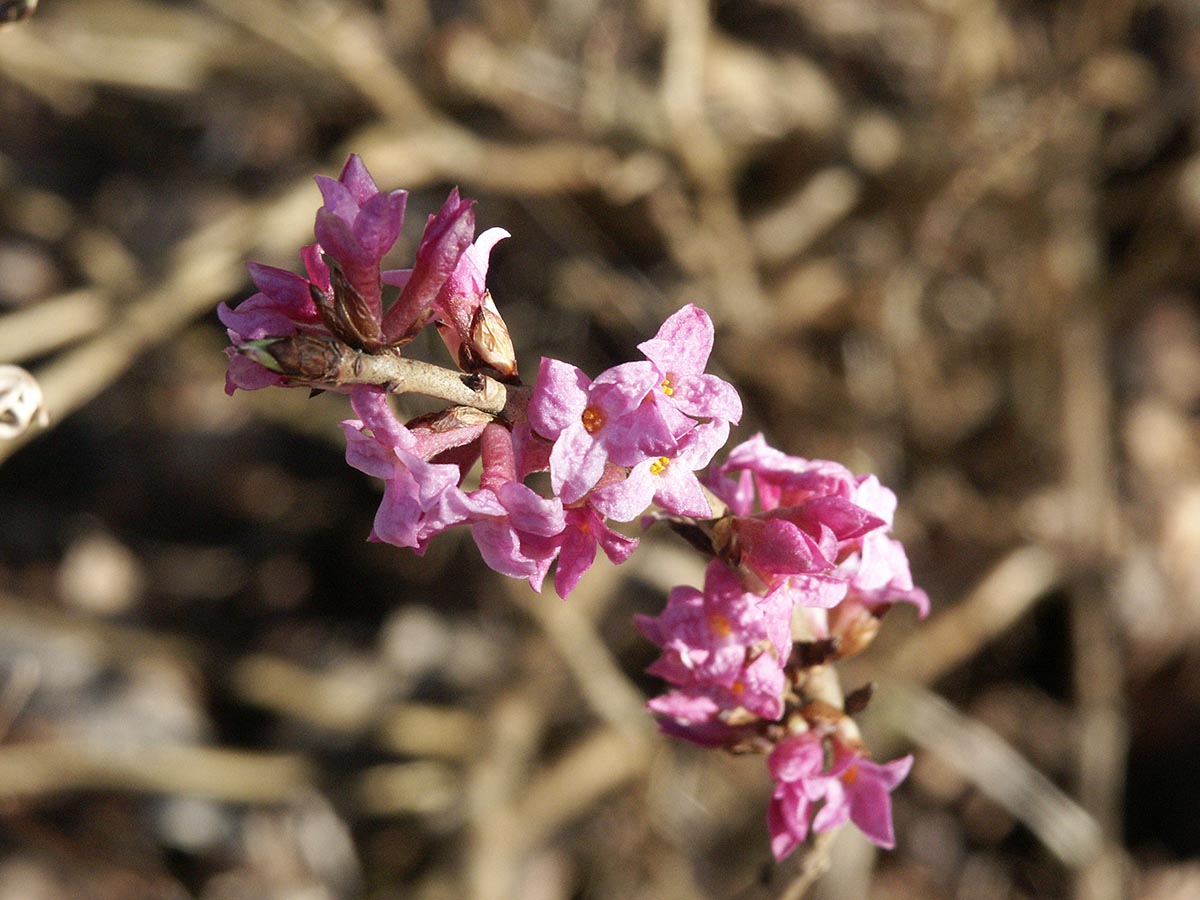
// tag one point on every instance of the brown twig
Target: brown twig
(982, 756)
(48, 767)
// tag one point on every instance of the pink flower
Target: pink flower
(775, 549)
(817, 497)
(854, 788)
(356, 227)
(814, 525)
(447, 236)
(512, 525)
(795, 765)
(668, 480)
(420, 499)
(702, 731)
(585, 532)
(468, 321)
(724, 647)
(282, 307)
(593, 422)
(879, 575)
(859, 789)
(774, 479)
(680, 352)
(757, 689)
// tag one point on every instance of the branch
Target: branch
(325, 363)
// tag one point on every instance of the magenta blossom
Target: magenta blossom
(593, 422)
(859, 789)
(282, 307)
(467, 319)
(765, 479)
(585, 532)
(356, 228)
(854, 788)
(446, 238)
(512, 525)
(724, 647)
(680, 354)
(795, 766)
(879, 575)
(420, 499)
(696, 708)
(775, 549)
(797, 517)
(669, 480)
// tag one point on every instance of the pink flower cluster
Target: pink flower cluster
(342, 297)
(802, 572)
(802, 568)
(851, 787)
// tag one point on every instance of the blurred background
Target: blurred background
(953, 242)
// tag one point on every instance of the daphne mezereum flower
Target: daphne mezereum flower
(420, 499)
(512, 525)
(468, 321)
(355, 228)
(878, 573)
(723, 648)
(342, 295)
(859, 789)
(594, 422)
(446, 238)
(765, 479)
(283, 306)
(795, 766)
(668, 480)
(853, 788)
(679, 352)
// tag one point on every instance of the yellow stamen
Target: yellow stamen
(719, 625)
(850, 776)
(593, 420)
(668, 385)
(659, 465)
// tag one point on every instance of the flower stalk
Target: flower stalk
(323, 362)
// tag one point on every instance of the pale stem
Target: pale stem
(328, 364)
(401, 375)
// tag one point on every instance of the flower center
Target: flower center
(668, 384)
(719, 625)
(593, 420)
(850, 776)
(657, 467)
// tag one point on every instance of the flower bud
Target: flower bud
(855, 625)
(303, 357)
(347, 314)
(489, 344)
